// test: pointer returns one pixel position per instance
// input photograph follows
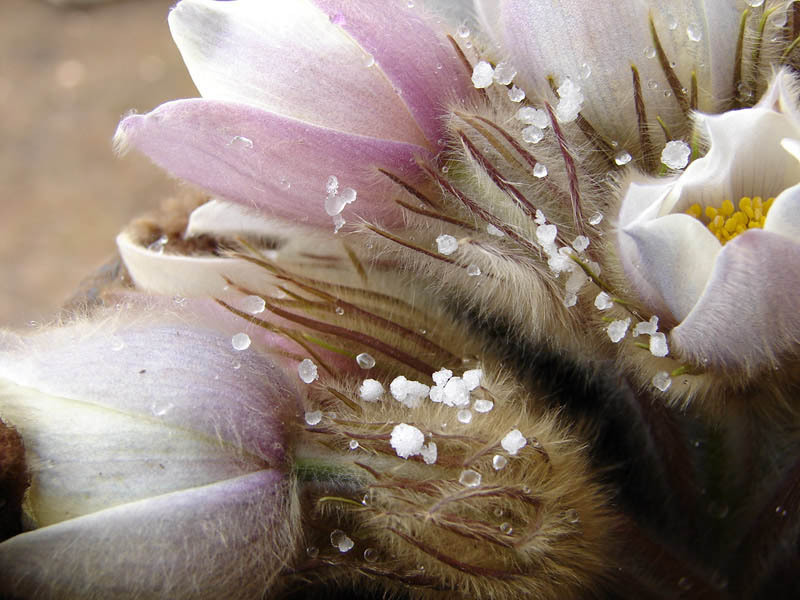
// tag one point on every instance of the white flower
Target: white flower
(727, 276)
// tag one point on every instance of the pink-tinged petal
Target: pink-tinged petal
(784, 216)
(675, 254)
(159, 367)
(748, 314)
(571, 38)
(278, 165)
(227, 540)
(410, 49)
(289, 58)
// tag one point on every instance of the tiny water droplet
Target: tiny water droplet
(369, 60)
(365, 361)
(684, 584)
(473, 270)
(339, 310)
(506, 528)
(623, 158)
(694, 32)
(650, 52)
(116, 343)
(499, 462)
(353, 444)
(463, 31)
(241, 141)
(236, 365)
(340, 541)
(572, 516)
(158, 245)
(470, 478)
(312, 552)
(371, 555)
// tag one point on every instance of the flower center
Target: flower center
(726, 222)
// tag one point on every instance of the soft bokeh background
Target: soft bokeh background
(67, 75)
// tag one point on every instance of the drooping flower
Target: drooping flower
(146, 436)
(714, 251)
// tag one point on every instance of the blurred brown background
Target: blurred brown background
(67, 75)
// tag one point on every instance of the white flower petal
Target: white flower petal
(564, 39)
(676, 254)
(290, 58)
(784, 216)
(219, 217)
(216, 541)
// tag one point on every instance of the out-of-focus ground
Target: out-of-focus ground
(67, 75)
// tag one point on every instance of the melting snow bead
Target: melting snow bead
(662, 381)
(595, 218)
(603, 301)
(513, 441)
(446, 244)
(658, 344)
(580, 243)
(429, 453)
(533, 116)
(676, 154)
(504, 73)
(369, 60)
(406, 440)
(546, 234)
(253, 304)
(307, 370)
(539, 170)
(570, 300)
(313, 417)
(349, 195)
(463, 31)
(617, 329)
(492, 230)
(694, 32)
(338, 223)
(483, 406)
(516, 95)
(240, 140)
(623, 158)
(646, 327)
(456, 392)
(482, 75)
(464, 416)
(240, 341)
(340, 541)
(499, 462)
(473, 270)
(532, 134)
(353, 444)
(470, 478)
(365, 361)
(371, 390)
(332, 185)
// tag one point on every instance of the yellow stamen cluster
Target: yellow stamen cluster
(726, 222)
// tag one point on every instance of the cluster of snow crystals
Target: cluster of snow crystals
(617, 329)
(482, 75)
(492, 230)
(546, 234)
(676, 154)
(455, 392)
(603, 302)
(407, 440)
(513, 441)
(446, 244)
(532, 135)
(580, 243)
(570, 101)
(472, 378)
(533, 116)
(307, 370)
(429, 453)
(442, 376)
(504, 73)
(516, 94)
(409, 393)
(658, 341)
(371, 390)
(662, 381)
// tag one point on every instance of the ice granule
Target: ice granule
(307, 370)
(409, 393)
(492, 230)
(240, 341)
(371, 390)
(437, 393)
(646, 327)
(571, 101)
(472, 377)
(539, 218)
(533, 116)
(365, 361)
(483, 406)
(313, 417)
(464, 416)
(617, 329)
(473, 270)
(441, 376)
(539, 170)
(469, 478)
(406, 440)
(499, 462)
(513, 441)
(676, 154)
(532, 134)
(546, 234)
(515, 94)
(429, 453)
(456, 392)
(482, 75)
(603, 302)
(504, 73)
(446, 244)
(341, 541)
(623, 158)
(658, 344)
(580, 243)
(595, 218)
(662, 381)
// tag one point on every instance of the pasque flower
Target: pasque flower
(146, 436)
(714, 250)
